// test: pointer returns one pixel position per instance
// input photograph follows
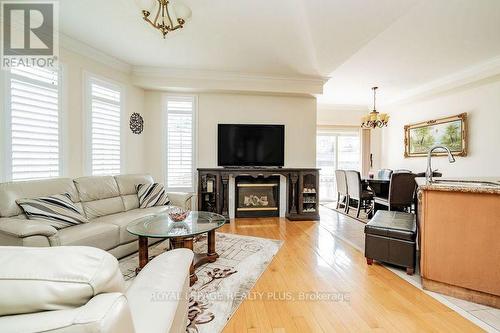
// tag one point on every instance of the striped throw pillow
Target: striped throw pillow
(152, 195)
(58, 210)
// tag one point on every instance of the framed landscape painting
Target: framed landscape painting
(450, 132)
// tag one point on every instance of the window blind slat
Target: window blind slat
(34, 123)
(33, 101)
(43, 76)
(105, 132)
(20, 141)
(26, 116)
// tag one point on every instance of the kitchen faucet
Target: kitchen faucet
(428, 173)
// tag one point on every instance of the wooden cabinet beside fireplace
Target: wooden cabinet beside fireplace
(208, 191)
(302, 189)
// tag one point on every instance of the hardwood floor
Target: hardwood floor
(312, 260)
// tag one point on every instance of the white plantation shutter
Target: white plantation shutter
(105, 123)
(34, 123)
(180, 142)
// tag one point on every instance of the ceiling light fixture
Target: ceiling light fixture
(374, 119)
(168, 17)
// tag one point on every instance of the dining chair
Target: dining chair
(356, 192)
(384, 174)
(401, 192)
(341, 181)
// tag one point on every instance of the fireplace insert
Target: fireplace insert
(257, 197)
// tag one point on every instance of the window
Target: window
(104, 127)
(336, 149)
(33, 123)
(180, 142)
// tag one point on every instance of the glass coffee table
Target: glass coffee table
(180, 234)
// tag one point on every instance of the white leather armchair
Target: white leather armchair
(81, 289)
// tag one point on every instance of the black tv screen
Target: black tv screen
(251, 145)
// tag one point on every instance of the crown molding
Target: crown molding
(159, 78)
(72, 45)
(221, 75)
(458, 80)
(175, 79)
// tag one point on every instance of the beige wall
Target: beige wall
(154, 163)
(75, 67)
(298, 114)
(482, 103)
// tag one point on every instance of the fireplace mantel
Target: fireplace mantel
(302, 189)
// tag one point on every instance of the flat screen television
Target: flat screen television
(250, 145)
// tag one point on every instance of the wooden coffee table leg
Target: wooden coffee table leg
(143, 253)
(211, 254)
(199, 258)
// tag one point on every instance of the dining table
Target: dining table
(379, 186)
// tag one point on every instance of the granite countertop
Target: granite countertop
(470, 184)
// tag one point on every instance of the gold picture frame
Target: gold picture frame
(449, 131)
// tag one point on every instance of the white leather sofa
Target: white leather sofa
(110, 203)
(81, 290)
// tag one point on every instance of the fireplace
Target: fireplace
(257, 197)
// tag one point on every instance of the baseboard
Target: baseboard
(303, 217)
(462, 293)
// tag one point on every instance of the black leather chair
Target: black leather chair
(401, 192)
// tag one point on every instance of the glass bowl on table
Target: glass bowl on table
(177, 214)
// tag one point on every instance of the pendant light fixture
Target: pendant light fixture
(374, 119)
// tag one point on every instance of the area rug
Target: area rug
(222, 285)
(363, 217)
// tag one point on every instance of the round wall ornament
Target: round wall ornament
(136, 123)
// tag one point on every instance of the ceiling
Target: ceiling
(396, 44)
(435, 39)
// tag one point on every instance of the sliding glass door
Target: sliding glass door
(336, 149)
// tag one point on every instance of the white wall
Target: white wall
(482, 103)
(298, 114)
